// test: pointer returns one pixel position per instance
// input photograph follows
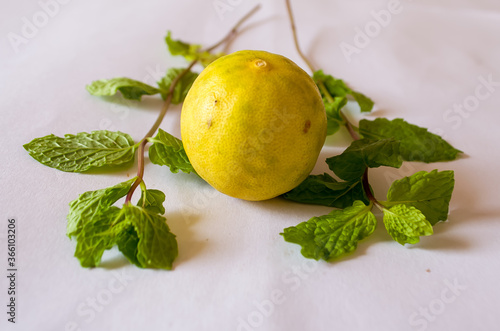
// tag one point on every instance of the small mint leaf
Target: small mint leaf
(181, 88)
(338, 88)
(168, 150)
(406, 224)
(131, 89)
(152, 201)
(363, 154)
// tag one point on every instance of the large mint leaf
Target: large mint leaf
(330, 236)
(156, 245)
(83, 151)
(417, 144)
(429, 192)
(97, 235)
(92, 204)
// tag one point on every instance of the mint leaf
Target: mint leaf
(131, 89)
(83, 151)
(417, 144)
(182, 87)
(362, 154)
(92, 204)
(190, 51)
(168, 150)
(97, 235)
(325, 190)
(157, 246)
(128, 242)
(333, 117)
(330, 236)
(406, 224)
(337, 88)
(429, 192)
(152, 201)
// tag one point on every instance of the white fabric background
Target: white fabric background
(232, 260)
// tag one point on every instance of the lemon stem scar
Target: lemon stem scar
(260, 63)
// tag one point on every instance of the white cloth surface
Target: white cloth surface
(234, 270)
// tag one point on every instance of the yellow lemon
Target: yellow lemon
(253, 124)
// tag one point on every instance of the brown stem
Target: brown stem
(295, 39)
(168, 100)
(232, 33)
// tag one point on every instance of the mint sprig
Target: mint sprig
(83, 151)
(140, 232)
(404, 221)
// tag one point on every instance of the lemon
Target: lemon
(253, 124)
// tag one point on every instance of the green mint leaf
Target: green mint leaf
(362, 154)
(128, 242)
(157, 246)
(190, 51)
(131, 89)
(92, 204)
(325, 190)
(83, 151)
(152, 201)
(333, 117)
(97, 235)
(330, 236)
(181, 88)
(406, 224)
(429, 192)
(168, 150)
(417, 144)
(338, 88)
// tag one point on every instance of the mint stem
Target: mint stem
(168, 101)
(295, 39)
